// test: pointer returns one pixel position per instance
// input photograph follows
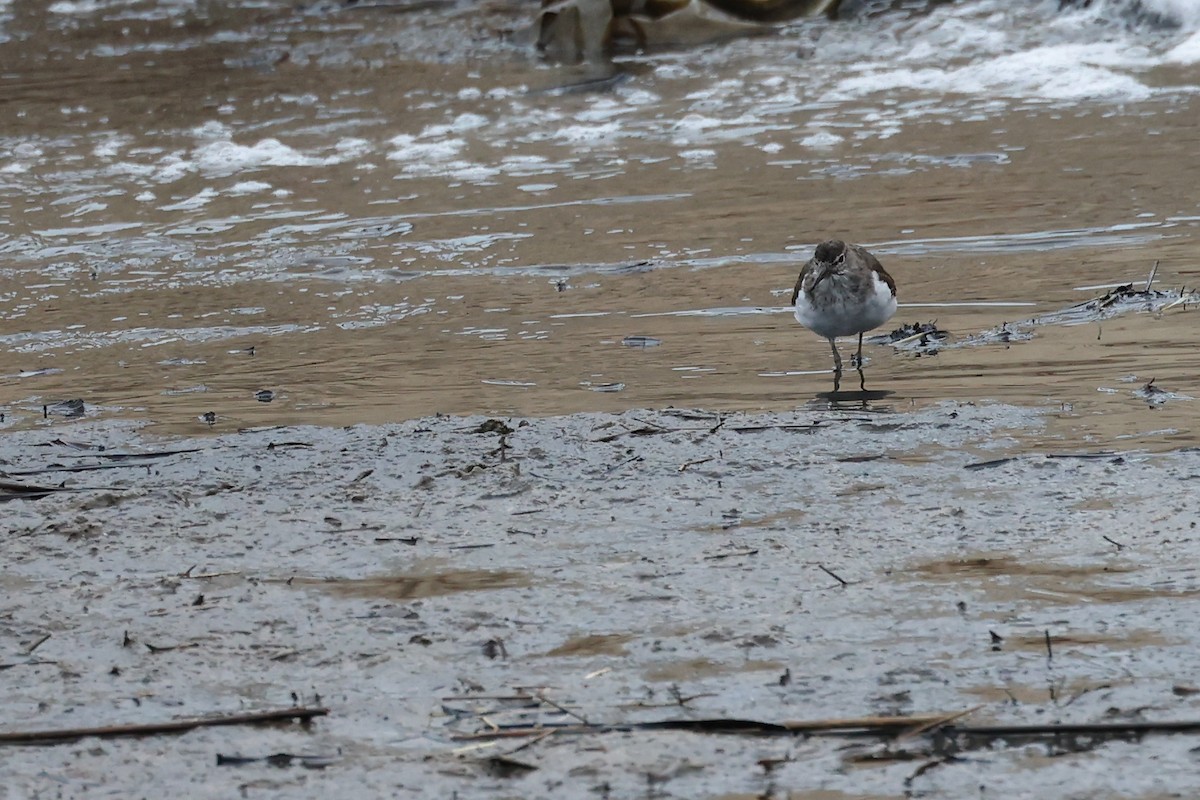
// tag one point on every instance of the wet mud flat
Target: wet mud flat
(562, 606)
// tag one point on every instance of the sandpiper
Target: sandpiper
(841, 291)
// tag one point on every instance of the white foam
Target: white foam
(110, 145)
(408, 148)
(1052, 72)
(225, 156)
(821, 139)
(587, 134)
(66, 7)
(222, 156)
(198, 200)
(461, 123)
(248, 187)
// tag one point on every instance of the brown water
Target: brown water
(138, 267)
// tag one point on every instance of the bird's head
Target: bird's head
(828, 259)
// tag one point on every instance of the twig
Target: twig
(563, 709)
(1049, 649)
(916, 335)
(695, 462)
(937, 723)
(995, 462)
(617, 466)
(736, 553)
(530, 743)
(833, 575)
(154, 648)
(787, 426)
(206, 575)
(155, 728)
(1114, 542)
(1153, 272)
(29, 650)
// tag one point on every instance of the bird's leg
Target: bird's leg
(837, 357)
(857, 361)
(837, 367)
(862, 379)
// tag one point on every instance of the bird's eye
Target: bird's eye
(841, 259)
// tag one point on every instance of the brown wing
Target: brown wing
(873, 262)
(800, 280)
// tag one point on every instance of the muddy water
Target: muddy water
(374, 223)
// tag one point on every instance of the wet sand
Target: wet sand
(406, 575)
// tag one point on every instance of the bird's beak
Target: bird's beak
(823, 275)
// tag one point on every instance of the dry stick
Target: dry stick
(1114, 542)
(937, 723)
(616, 467)
(29, 650)
(1049, 649)
(531, 742)
(833, 575)
(868, 726)
(734, 554)
(694, 463)
(563, 709)
(154, 728)
(1150, 280)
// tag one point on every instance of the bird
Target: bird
(843, 290)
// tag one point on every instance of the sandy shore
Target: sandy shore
(647, 565)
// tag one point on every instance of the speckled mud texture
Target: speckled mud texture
(431, 580)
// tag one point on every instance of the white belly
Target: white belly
(831, 317)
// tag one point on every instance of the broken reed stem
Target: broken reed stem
(880, 727)
(845, 727)
(155, 728)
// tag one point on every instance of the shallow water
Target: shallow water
(378, 215)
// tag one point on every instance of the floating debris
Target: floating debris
(1118, 300)
(497, 382)
(923, 336)
(1155, 396)
(33, 373)
(603, 387)
(64, 408)
(641, 341)
(264, 395)
(208, 417)
(1005, 333)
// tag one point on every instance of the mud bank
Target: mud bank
(415, 577)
